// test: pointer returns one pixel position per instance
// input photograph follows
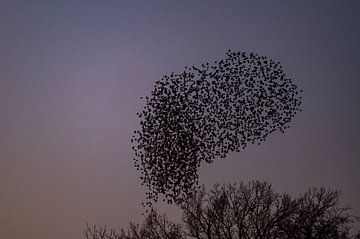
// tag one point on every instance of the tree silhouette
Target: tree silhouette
(246, 211)
(155, 226)
(206, 112)
(257, 211)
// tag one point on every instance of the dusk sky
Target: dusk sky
(72, 74)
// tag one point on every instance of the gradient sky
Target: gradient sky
(71, 77)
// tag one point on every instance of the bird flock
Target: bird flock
(204, 113)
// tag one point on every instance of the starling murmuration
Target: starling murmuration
(205, 112)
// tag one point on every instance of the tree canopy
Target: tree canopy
(246, 211)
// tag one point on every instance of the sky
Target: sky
(72, 74)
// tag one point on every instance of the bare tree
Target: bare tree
(101, 232)
(238, 211)
(319, 215)
(246, 211)
(155, 226)
(255, 210)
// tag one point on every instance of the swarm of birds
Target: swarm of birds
(203, 114)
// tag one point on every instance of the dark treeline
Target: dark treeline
(248, 211)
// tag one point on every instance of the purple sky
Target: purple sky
(71, 77)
